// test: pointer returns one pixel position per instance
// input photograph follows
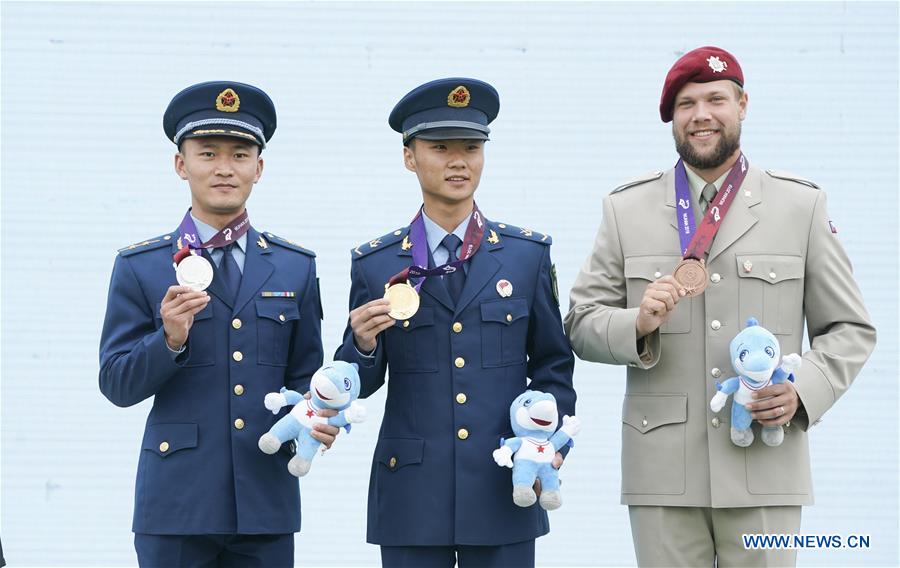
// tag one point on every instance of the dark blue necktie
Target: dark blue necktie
(229, 271)
(455, 280)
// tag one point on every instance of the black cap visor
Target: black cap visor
(448, 130)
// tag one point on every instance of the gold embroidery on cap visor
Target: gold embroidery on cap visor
(228, 101)
(459, 97)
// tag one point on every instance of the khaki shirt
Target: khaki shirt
(775, 258)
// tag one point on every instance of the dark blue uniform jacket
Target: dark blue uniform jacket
(200, 470)
(454, 370)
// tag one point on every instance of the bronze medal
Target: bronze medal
(404, 300)
(691, 275)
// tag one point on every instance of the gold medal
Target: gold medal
(691, 275)
(404, 300)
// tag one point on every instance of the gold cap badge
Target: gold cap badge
(459, 97)
(228, 101)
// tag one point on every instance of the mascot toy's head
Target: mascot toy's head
(533, 414)
(755, 352)
(335, 385)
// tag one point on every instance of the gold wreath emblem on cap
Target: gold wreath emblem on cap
(228, 101)
(459, 97)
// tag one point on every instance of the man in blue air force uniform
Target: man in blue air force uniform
(205, 494)
(435, 494)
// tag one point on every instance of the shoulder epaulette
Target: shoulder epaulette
(380, 243)
(638, 181)
(275, 239)
(526, 234)
(149, 244)
(791, 177)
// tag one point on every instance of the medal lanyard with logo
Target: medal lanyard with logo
(403, 296)
(192, 269)
(695, 242)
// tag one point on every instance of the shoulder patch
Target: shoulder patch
(521, 233)
(638, 181)
(380, 243)
(275, 239)
(149, 244)
(779, 174)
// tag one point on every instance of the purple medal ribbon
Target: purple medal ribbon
(694, 243)
(686, 226)
(470, 245)
(189, 240)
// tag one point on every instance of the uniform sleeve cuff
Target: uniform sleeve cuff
(623, 342)
(815, 392)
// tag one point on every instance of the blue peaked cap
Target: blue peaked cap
(446, 109)
(220, 108)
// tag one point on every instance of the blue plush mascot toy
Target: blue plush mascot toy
(755, 354)
(530, 454)
(334, 386)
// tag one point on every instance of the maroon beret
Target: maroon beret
(701, 65)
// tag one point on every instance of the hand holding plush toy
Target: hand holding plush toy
(530, 454)
(755, 354)
(334, 386)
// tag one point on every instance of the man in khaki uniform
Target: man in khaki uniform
(691, 491)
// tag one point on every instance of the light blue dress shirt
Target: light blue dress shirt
(435, 234)
(206, 232)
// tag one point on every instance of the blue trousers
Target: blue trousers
(515, 555)
(214, 550)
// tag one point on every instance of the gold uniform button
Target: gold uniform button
(716, 422)
(457, 327)
(239, 389)
(461, 398)
(393, 462)
(462, 434)
(239, 424)
(237, 356)
(406, 323)
(281, 317)
(508, 317)
(236, 323)
(164, 447)
(459, 362)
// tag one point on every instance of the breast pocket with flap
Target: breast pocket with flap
(770, 289)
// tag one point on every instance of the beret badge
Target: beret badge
(716, 64)
(228, 101)
(459, 97)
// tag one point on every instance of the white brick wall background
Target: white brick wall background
(86, 170)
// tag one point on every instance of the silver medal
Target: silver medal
(195, 272)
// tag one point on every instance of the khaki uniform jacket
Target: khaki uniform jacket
(775, 258)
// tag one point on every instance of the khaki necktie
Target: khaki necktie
(709, 193)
